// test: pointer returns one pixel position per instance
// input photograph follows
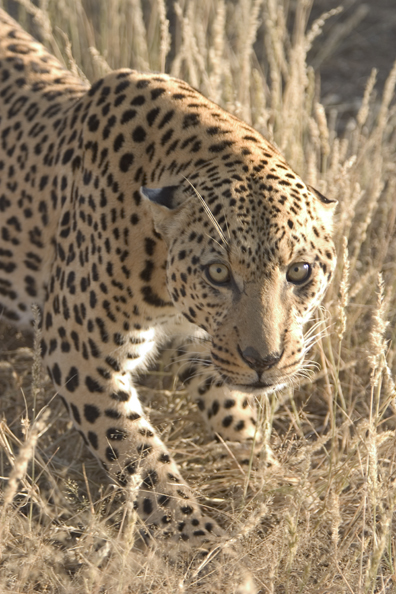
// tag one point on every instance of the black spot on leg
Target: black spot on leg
(94, 348)
(120, 396)
(64, 402)
(76, 413)
(200, 404)
(205, 387)
(56, 374)
(122, 86)
(93, 123)
(122, 479)
(147, 506)
(139, 134)
(118, 142)
(113, 363)
(146, 432)
(93, 439)
(91, 413)
(111, 454)
(67, 155)
(48, 320)
(229, 403)
(116, 434)
(144, 449)
(199, 533)
(182, 494)
(215, 407)
(240, 426)
(128, 115)
(150, 480)
(93, 385)
(43, 347)
(163, 500)
(131, 466)
(226, 422)
(104, 373)
(164, 458)
(52, 347)
(149, 246)
(133, 416)
(187, 374)
(147, 271)
(126, 162)
(119, 339)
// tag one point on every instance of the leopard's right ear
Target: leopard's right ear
(163, 196)
(168, 209)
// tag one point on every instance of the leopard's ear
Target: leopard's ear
(331, 204)
(168, 208)
(163, 196)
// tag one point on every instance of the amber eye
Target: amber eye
(298, 273)
(218, 273)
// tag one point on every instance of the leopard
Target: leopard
(134, 211)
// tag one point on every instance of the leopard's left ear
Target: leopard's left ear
(331, 204)
(168, 207)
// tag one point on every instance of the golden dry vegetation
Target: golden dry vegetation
(315, 512)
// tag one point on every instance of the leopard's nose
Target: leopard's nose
(253, 358)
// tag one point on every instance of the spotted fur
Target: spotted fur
(135, 210)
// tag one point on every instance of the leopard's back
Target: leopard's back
(36, 92)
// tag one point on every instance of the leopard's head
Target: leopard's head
(249, 269)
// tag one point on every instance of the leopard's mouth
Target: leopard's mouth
(260, 388)
(257, 386)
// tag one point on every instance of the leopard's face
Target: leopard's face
(249, 275)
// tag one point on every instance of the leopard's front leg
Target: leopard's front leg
(93, 377)
(229, 412)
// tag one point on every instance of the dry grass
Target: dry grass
(316, 514)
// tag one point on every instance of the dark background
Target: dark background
(371, 43)
(360, 38)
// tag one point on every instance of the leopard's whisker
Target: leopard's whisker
(209, 214)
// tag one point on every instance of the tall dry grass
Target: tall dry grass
(315, 514)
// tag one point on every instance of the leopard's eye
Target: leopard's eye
(218, 273)
(298, 273)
